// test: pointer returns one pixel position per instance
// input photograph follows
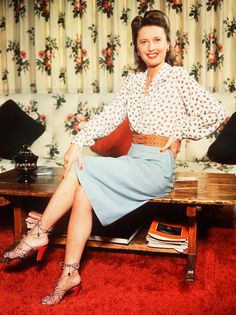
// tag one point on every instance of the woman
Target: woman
(164, 105)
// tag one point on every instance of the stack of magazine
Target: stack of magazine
(167, 235)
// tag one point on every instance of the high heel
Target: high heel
(27, 246)
(58, 293)
(77, 289)
(41, 251)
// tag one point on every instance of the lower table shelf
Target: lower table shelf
(138, 243)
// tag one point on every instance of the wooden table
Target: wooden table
(213, 189)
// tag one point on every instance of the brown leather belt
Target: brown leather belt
(152, 140)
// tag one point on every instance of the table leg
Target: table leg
(19, 223)
(192, 245)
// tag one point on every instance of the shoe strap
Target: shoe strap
(74, 266)
(24, 242)
(18, 249)
(40, 229)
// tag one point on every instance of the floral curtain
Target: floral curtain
(69, 46)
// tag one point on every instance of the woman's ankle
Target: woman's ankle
(38, 231)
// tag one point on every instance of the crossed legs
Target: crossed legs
(69, 195)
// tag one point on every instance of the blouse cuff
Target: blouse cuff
(76, 141)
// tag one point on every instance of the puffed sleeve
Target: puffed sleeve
(104, 123)
(203, 112)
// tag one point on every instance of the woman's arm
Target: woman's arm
(104, 123)
(204, 114)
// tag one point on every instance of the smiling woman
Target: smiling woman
(152, 46)
(163, 105)
(158, 25)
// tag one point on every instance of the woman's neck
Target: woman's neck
(152, 71)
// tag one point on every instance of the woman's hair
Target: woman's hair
(152, 17)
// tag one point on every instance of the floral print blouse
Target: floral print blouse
(174, 105)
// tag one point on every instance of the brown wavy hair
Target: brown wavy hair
(152, 17)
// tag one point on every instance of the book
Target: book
(181, 182)
(44, 170)
(178, 246)
(167, 235)
(116, 236)
(168, 231)
(121, 231)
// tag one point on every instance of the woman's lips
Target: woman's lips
(152, 56)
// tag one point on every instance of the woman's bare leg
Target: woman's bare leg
(59, 204)
(61, 201)
(79, 229)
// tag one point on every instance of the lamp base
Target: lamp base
(27, 177)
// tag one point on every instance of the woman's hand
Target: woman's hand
(173, 145)
(72, 154)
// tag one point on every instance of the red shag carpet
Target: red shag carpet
(120, 283)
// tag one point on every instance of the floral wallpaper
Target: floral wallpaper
(64, 46)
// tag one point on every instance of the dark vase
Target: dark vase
(26, 165)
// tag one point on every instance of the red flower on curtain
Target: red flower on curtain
(175, 5)
(46, 55)
(144, 5)
(78, 53)
(106, 6)
(80, 7)
(214, 50)
(42, 8)
(180, 47)
(19, 57)
(108, 54)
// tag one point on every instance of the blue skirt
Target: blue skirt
(117, 186)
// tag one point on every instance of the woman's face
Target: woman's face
(152, 45)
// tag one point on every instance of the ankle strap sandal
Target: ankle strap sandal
(58, 293)
(29, 243)
(74, 266)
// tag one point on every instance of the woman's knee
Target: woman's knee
(80, 195)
